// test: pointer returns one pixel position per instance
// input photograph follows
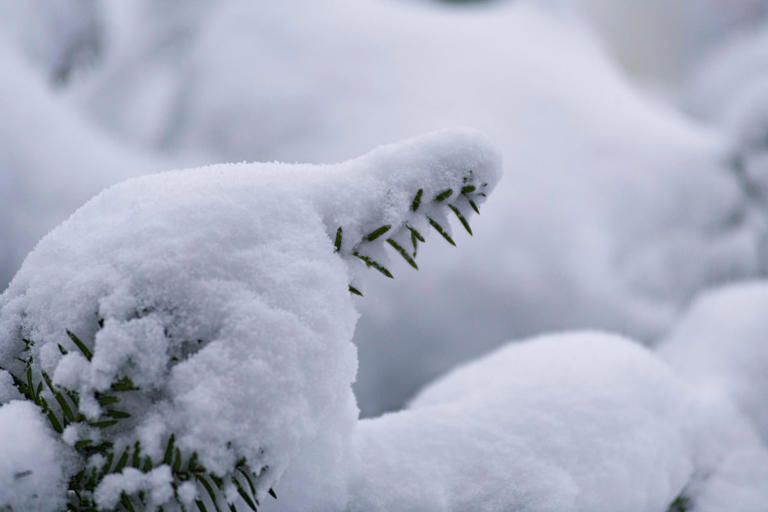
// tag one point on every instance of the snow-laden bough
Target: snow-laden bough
(189, 333)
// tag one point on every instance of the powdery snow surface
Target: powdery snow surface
(573, 422)
(568, 422)
(721, 346)
(32, 462)
(218, 293)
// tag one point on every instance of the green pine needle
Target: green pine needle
(80, 345)
(169, 450)
(354, 290)
(417, 200)
(176, 460)
(442, 196)
(54, 421)
(244, 495)
(337, 242)
(681, 504)
(113, 413)
(210, 491)
(461, 218)
(402, 252)
(136, 461)
(108, 463)
(369, 262)
(107, 400)
(376, 233)
(123, 460)
(248, 479)
(126, 502)
(82, 444)
(440, 230)
(124, 384)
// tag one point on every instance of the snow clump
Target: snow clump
(720, 346)
(32, 461)
(202, 319)
(560, 423)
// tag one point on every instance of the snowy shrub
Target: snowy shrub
(570, 422)
(188, 334)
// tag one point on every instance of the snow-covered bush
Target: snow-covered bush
(191, 330)
(571, 422)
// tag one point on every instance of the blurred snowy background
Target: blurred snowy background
(635, 138)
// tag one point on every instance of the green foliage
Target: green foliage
(468, 192)
(107, 456)
(681, 504)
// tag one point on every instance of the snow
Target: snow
(131, 481)
(562, 422)
(570, 422)
(720, 345)
(50, 161)
(729, 70)
(32, 462)
(607, 197)
(663, 40)
(615, 210)
(732, 461)
(218, 292)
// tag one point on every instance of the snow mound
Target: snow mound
(720, 345)
(32, 476)
(571, 422)
(211, 307)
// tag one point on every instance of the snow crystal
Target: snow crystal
(32, 462)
